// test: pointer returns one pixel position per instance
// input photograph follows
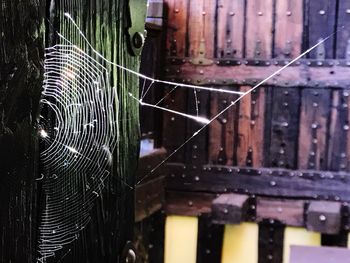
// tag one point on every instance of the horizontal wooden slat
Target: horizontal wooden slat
(188, 204)
(316, 77)
(288, 212)
(267, 182)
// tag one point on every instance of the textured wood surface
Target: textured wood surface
(21, 75)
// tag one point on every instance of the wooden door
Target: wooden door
(279, 140)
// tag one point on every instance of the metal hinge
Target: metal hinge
(321, 50)
(135, 24)
(201, 59)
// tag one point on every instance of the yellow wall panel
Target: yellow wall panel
(181, 239)
(298, 236)
(240, 243)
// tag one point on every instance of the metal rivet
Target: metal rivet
(322, 12)
(346, 127)
(273, 183)
(232, 13)
(260, 13)
(204, 13)
(289, 13)
(348, 11)
(190, 203)
(176, 10)
(322, 218)
(196, 178)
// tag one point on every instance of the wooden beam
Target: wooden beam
(335, 76)
(285, 183)
(229, 208)
(187, 203)
(324, 217)
(288, 212)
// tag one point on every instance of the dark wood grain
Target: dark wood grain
(270, 248)
(321, 23)
(21, 76)
(268, 182)
(210, 238)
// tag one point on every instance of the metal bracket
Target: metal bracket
(201, 59)
(135, 25)
(321, 50)
(257, 50)
(288, 49)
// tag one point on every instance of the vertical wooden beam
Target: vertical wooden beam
(201, 28)
(298, 236)
(285, 101)
(343, 36)
(210, 238)
(223, 131)
(181, 239)
(196, 151)
(177, 27)
(251, 128)
(230, 28)
(288, 28)
(314, 117)
(240, 243)
(321, 20)
(21, 76)
(270, 242)
(259, 29)
(339, 141)
(284, 128)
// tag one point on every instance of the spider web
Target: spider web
(83, 132)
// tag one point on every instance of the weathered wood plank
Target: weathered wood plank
(174, 126)
(284, 128)
(176, 27)
(230, 28)
(288, 28)
(259, 29)
(263, 181)
(343, 36)
(321, 17)
(209, 243)
(314, 117)
(196, 150)
(324, 217)
(21, 78)
(188, 204)
(222, 132)
(316, 77)
(338, 155)
(270, 242)
(288, 212)
(201, 27)
(251, 128)
(229, 208)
